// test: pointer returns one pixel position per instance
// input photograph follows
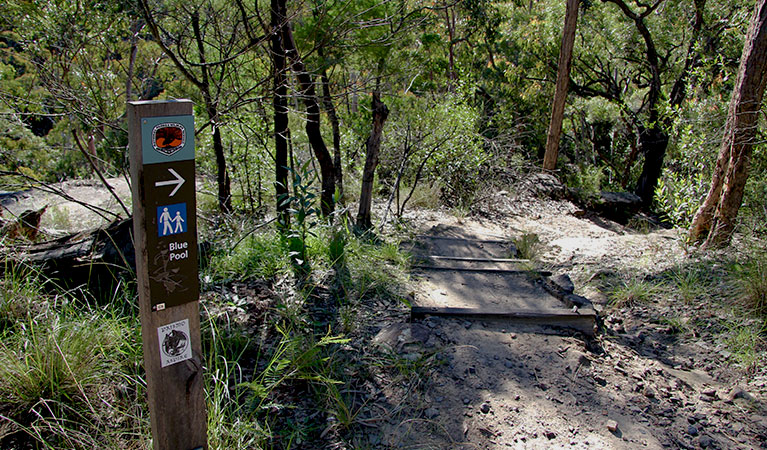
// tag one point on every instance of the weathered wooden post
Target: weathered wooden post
(161, 135)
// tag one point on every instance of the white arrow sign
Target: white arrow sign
(179, 181)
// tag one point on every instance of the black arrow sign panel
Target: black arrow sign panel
(171, 227)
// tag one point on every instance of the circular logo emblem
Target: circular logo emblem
(168, 138)
(175, 343)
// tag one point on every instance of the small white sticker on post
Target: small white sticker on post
(175, 345)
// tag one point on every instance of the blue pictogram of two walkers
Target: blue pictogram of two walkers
(171, 219)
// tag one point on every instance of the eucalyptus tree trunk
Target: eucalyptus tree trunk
(372, 148)
(563, 79)
(716, 216)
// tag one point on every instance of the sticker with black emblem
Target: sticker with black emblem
(174, 342)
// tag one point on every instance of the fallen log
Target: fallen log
(98, 259)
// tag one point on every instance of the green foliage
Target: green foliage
(376, 270)
(586, 180)
(231, 423)
(676, 324)
(68, 370)
(747, 343)
(363, 268)
(690, 283)
(20, 289)
(258, 255)
(300, 358)
(677, 198)
(57, 361)
(753, 213)
(433, 141)
(303, 216)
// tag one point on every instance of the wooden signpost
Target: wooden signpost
(161, 135)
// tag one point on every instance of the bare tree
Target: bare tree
(372, 148)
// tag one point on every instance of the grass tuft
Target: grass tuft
(633, 291)
(69, 372)
(747, 344)
(751, 283)
(528, 246)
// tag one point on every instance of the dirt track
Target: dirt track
(500, 385)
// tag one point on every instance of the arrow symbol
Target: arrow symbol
(178, 182)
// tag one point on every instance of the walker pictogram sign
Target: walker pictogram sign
(171, 219)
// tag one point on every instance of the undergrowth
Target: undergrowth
(71, 367)
(723, 296)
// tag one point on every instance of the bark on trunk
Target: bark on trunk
(560, 93)
(280, 104)
(327, 100)
(313, 131)
(372, 147)
(731, 174)
(224, 183)
(452, 76)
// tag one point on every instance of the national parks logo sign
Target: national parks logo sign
(168, 138)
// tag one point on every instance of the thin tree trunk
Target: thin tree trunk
(280, 104)
(452, 76)
(327, 100)
(372, 147)
(313, 131)
(224, 185)
(739, 137)
(353, 77)
(563, 79)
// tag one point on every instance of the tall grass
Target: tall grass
(20, 287)
(68, 370)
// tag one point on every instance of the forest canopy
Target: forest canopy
(283, 87)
